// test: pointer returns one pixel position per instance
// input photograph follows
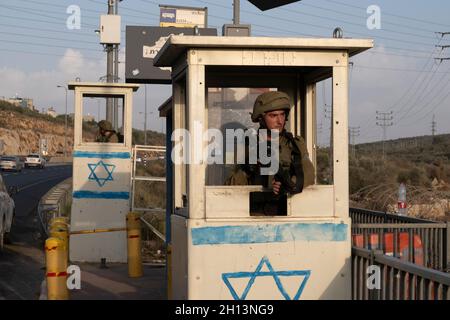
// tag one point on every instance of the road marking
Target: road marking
(5, 285)
(39, 182)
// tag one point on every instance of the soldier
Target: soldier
(106, 133)
(296, 171)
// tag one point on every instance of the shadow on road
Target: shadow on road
(22, 263)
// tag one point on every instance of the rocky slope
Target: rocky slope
(21, 134)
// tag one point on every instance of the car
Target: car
(35, 160)
(7, 212)
(11, 163)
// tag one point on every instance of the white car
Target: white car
(7, 209)
(34, 160)
(11, 163)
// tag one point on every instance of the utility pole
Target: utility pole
(110, 69)
(384, 118)
(236, 12)
(145, 121)
(65, 124)
(353, 133)
(442, 34)
(319, 133)
(433, 126)
(116, 73)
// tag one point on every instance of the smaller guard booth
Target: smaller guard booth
(101, 172)
(221, 247)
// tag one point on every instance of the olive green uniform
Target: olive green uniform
(110, 137)
(294, 162)
(246, 174)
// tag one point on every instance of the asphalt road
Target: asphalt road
(22, 264)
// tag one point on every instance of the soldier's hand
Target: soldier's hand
(276, 186)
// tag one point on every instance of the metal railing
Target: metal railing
(369, 216)
(427, 242)
(398, 280)
(146, 149)
(157, 152)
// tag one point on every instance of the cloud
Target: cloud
(41, 85)
(72, 63)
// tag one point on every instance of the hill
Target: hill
(21, 130)
(422, 163)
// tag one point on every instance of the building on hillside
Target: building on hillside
(25, 103)
(51, 112)
(88, 118)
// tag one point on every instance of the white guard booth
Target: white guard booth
(101, 178)
(221, 249)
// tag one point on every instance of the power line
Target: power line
(359, 17)
(43, 37)
(265, 27)
(390, 14)
(284, 19)
(47, 45)
(48, 54)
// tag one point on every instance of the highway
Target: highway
(22, 266)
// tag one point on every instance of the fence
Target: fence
(414, 240)
(398, 280)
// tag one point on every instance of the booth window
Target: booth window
(96, 127)
(228, 108)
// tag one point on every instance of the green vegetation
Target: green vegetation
(6, 106)
(422, 163)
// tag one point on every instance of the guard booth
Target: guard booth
(101, 174)
(221, 249)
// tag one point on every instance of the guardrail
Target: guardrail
(54, 203)
(398, 280)
(420, 241)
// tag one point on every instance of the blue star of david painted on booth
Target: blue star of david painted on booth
(99, 170)
(271, 273)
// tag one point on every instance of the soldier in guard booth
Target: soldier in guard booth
(296, 171)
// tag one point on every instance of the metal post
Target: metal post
(65, 129)
(116, 74)
(65, 125)
(447, 251)
(145, 115)
(236, 12)
(110, 69)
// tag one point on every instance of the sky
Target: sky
(400, 74)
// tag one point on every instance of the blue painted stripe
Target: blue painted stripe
(102, 155)
(270, 233)
(101, 195)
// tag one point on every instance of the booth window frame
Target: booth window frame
(325, 64)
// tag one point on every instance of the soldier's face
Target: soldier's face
(275, 120)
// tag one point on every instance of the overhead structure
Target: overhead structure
(270, 4)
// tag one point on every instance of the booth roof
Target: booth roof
(177, 45)
(73, 85)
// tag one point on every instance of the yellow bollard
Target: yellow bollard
(134, 245)
(62, 222)
(63, 235)
(169, 271)
(56, 270)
